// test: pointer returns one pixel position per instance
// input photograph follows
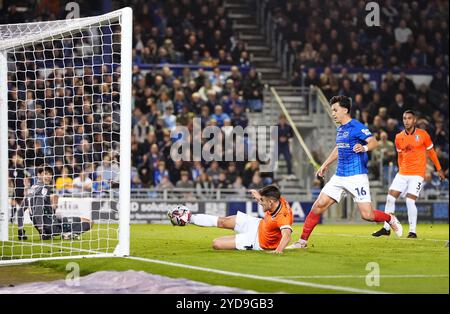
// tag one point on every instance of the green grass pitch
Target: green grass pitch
(338, 256)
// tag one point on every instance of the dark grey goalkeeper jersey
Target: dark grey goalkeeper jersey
(38, 200)
(39, 203)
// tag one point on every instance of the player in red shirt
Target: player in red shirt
(413, 146)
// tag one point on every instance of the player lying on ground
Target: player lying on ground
(353, 141)
(273, 232)
(413, 145)
(42, 203)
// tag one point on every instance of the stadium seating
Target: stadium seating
(188, 59)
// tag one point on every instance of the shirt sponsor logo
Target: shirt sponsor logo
(343, 145)
(366, 132)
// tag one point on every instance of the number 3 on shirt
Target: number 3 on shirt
(361, 191)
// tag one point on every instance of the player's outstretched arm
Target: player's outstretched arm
(331, 158)
(286, 238)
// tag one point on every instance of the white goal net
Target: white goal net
(65, 116)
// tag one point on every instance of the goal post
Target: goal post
(3, 147)
(65, 111)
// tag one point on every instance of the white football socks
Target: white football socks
(389, 208)
(203, 220)
(412, 214)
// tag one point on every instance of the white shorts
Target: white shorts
(247, 232)
(407, 184)
(357, 186)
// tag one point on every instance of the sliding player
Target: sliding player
(413, 145)
(353, 141)
(42, 203)
(272, 232)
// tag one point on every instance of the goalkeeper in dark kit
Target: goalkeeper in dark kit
(42, 203)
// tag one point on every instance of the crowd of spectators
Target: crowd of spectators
(332, 37)
(74, 130)
(61, 118)
(411, 35)
(381, 108)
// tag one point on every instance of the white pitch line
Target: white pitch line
(369, 237)
(361, 276)
(263, 278)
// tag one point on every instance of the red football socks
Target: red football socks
(310, 223)
(381, 216)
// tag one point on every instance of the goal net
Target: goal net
(65, 124)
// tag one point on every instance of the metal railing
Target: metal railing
(279, 49)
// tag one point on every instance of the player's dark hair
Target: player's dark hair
(46, 169)
(410, 112)
(344, 101)
(271, 191)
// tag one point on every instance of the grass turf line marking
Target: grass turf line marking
(277, 280)
(369, 237)
(361, 276)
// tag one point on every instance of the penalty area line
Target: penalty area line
(256, 277)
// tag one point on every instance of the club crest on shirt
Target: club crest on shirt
(44, 191)
(417, 138)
